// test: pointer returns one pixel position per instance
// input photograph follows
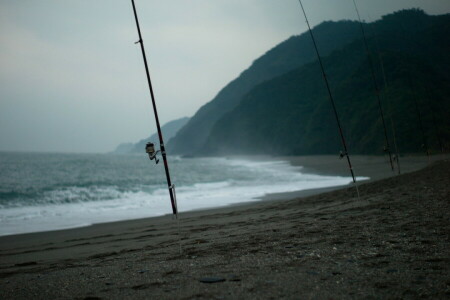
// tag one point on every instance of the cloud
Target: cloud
(71, 68)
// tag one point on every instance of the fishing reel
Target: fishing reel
(342, 154)
(150, 150)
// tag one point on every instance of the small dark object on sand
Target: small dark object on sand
(29, 263)
(143, 271)
(234, 278)
(212, 279)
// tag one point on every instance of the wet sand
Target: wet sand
(392, 242)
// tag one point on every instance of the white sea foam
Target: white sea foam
(251, 179)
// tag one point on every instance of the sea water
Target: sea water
(46, 191)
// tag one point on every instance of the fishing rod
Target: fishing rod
(150, 147)
(344, 144)
(428, 92)
(419, 116)
(433, 117)
(383, 72)
(414, 93)
(377, 89)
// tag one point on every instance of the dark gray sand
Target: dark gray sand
(373, 167)
(393, 242)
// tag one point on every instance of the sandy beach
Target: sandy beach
(392, 242)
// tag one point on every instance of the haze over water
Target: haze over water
(40, 192)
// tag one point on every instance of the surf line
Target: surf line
(150, 147)
(375, 85)
(344, 144)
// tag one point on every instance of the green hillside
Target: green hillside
(291, 114)
(288, 55)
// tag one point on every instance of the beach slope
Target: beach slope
(392, 242)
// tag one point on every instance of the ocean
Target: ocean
(48, 191)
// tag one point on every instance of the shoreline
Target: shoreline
(392, 242)
(374, 167)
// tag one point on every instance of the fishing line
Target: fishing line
(414, 95)
(377, 89)
(383, 73)
(432, 110)
(419, 116)
(433, 118)
(344, 144)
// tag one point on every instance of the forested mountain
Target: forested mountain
(288, 55)
(292, 114)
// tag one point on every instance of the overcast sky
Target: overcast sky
(72, 79)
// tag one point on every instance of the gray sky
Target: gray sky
(72, 79)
